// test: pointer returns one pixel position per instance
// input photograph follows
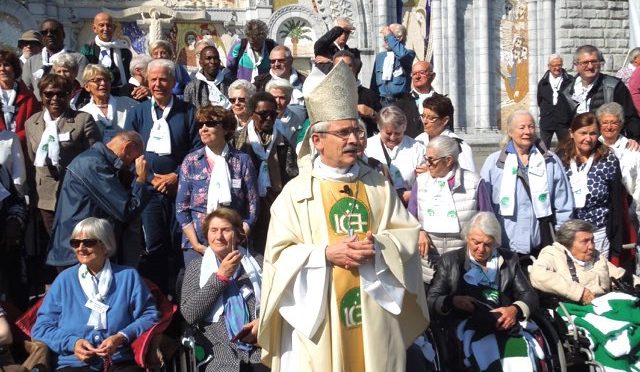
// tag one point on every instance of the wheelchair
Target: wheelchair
(449, 355)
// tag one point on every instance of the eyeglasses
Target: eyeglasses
(209, 123)
(88, 243)
(616, 122)
(238, 100)
(430, 119)
(433, 161)
(98, 81)
(346, 133)
(280, 60)
(49, 94)
(49, 31)
(587, 63)
(266, 114)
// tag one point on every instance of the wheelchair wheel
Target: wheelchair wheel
(555, 359)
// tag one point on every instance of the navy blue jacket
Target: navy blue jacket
(184, 134)
(92, 188)
(404, 59)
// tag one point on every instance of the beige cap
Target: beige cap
(31, 35)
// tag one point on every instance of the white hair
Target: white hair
(65, 60)
(140, 61)
(445, 146)
(283, 85)
(554, 56)
(163, 63)
(97, 228)
(486, 223)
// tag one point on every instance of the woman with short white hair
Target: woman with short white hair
(240, 91)
(402, 154)
(444, 199)
(66, 66)
(108, 111)
(95, 309)
(611, 121)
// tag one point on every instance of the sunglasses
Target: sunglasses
(54, 93)
(266, 114)
(238, 100)
(87, 243)
(49, 31)
(209, 123)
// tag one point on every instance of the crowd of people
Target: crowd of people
(300, 222)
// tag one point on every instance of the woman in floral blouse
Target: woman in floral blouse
(215, 175)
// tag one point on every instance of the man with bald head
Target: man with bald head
(422, 76)
(112, 54)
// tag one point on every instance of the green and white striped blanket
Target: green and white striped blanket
(612, 324)
(499, 351)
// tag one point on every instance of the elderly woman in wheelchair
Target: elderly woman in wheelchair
(572, 270)
(482, 291)
(221, 297)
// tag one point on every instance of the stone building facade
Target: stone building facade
(488, 54)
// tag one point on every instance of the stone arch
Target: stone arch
(296, 11)
(21, 20)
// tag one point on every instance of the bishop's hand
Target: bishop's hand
(350, 252)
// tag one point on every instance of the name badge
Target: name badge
(96, 305)
(63, 137)
(236, 183)
(245, 292)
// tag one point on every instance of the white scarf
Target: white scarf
(580, 93)
(8, 98)
(325, 172)
(133, 81)
(387, 66)
(160, 135)
(252, 57)
(420, 97)
(106, 122)
(219, 191)
(49, 145)
(618, 146)
(438, 212)
(578, 180)
(46, 61)
(264, 181)
(209, 267)
(96, 288)
(538, 185)
(555, 83)
(105, 60)
(215, 95)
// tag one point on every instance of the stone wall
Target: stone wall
(604, 24)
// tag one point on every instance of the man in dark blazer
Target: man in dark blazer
(169, 132)
(555, 113)
(112, 54)
(331, 42)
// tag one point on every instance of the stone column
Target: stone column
(438, 48)
(452, 57)
(381, 20)
(532, 21)
(482, 120)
